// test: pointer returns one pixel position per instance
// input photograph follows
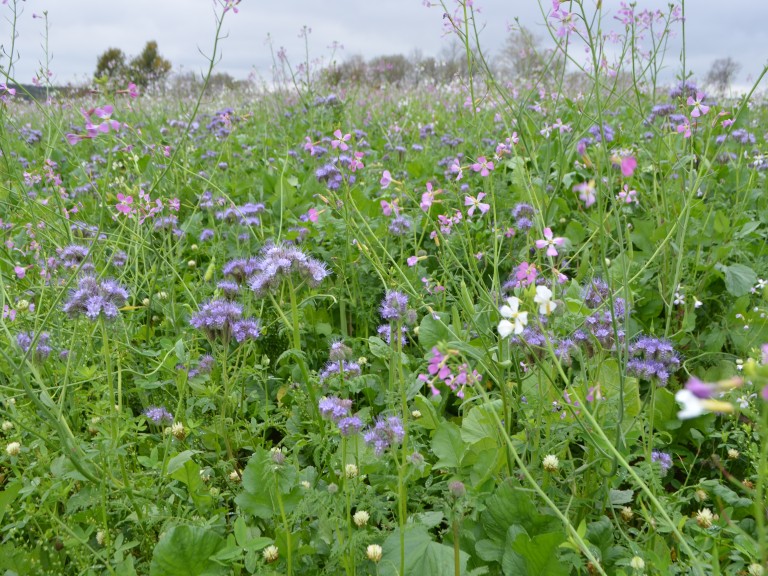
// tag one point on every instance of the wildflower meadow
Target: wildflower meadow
(460, 327)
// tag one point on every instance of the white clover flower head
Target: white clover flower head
(361, 518)
(271, 553)
(178, 431)
(351, 471)
(13, 449)
(704, 518)
(374, 552)
(755, 570)
(551, 463)
(7, 426)
(637, 563)
(733, 454)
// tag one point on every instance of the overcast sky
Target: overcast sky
(80, 30)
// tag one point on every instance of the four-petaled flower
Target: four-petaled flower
(544, 299)
(699, 109)
(483, 166)
(511, 311)
(386, 179)
(473, 203)
(549, 242)
(341, 140)
(684, 128)
(586, 192)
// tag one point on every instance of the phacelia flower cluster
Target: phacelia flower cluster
(223, 318)
(95, 299)
(386, 432)
(42, 350)
(339, 411)
(652, 359)
(279, 261)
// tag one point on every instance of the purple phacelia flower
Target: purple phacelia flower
(385, 433)
(94, 298)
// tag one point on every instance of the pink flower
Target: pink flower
(549, 242)
(526, 274)
(174, 204)
(124, 203)
(428, 197)
(483, 166)
(341, 141)
(586, 192)
(455, 168)
(684, 128)
(699, 109)
(473, 203)
(388, 208)
(311, 215)
(132, 90)
(386, 179)
(627, 195)
(628, 165)
(412, 260)
(20, 271)
(355, 164)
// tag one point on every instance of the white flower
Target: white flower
(704, 517)
(693, 406)
(374, 552)
(350, 471)
(271, 553)
(361, 518)
(550, 463)
(544, 299)
(510, 312)
(7, 426)
(637, 563)
(13, 449)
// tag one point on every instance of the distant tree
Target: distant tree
(149, 68)
(722, 73)
(523, 59)
(111, 65)
(388, 69)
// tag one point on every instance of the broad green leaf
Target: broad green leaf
(432, 331)
(739, 278)
(7, 496)
(480, 423)
(188, 551)
(448, 446)
(423, 557)
(535, 556)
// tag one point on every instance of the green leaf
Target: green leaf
(423, 557)
(619, 497)
(178, 461)
(7, 496)
(429, 418)
(739, 278)
(188, 551)
(379, 348)
(448, 446)
(535, 556)
(480, 423)
(432, 331)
